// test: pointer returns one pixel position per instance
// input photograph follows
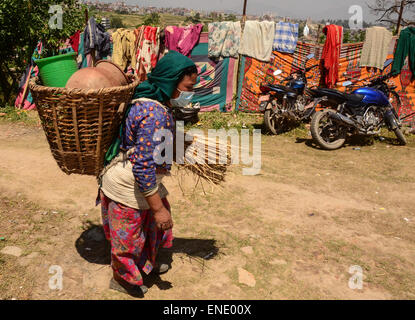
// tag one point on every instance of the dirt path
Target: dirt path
(297, 228)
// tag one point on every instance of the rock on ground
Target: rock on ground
(246, 277)
(13, 251)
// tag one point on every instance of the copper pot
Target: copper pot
(104, 75)
(116, 73)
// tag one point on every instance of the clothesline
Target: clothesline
(138, 50)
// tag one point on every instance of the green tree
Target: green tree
(152, 19)
(230, 17)
(193, 19)
(116, 22)
(347, 37)
(25, 22)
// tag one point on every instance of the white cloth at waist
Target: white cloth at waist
(120, 185)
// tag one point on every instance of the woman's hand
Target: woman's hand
(161, 214)
(163, 219)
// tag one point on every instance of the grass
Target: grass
(134, 20)
(12, 114)
(237, 120)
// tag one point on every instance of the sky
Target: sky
(316, 9)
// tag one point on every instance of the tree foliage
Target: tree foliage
(116, 22)
(23, 24)
(152, 19)
(193, 19)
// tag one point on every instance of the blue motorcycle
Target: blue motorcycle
(287, 105)
(364, 112)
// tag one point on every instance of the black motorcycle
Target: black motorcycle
(285, 105)
(364, 111)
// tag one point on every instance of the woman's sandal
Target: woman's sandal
(160, 269)
(124, 287)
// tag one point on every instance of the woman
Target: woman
(135, 212)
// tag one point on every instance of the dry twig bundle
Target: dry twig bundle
(203, 158)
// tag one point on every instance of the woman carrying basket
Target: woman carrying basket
(135, 212)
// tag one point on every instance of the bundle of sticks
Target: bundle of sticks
(207, 158)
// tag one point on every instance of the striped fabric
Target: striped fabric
(286, 37)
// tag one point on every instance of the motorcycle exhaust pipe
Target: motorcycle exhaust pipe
(344, 120)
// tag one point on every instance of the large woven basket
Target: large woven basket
(80, 124)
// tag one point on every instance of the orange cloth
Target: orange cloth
(331, 53)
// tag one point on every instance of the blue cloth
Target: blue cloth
(143, 121)
(95, 37)
(286, 37)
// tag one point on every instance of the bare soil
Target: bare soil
(307, 218)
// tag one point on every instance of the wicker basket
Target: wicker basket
(80, 124)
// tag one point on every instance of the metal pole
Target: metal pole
(400, 17)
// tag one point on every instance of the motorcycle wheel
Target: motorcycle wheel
(326, 133)
(274, 125)
(400, 136)
(396, 101)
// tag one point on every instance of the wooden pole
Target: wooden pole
(400, 17)
(240, 56)
(244, 12)
(26, 87)
(86, 23)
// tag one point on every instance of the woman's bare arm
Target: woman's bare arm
(161, 214)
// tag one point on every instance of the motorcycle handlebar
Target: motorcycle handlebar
(381, 78)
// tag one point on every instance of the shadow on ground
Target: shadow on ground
(94, 248)
(353, 141)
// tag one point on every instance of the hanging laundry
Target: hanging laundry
(224, 39)
(24, 98)
(257, 40)
(83, 60)
(376, 47)
(74, 41)
(95, 37)
(306, 31)
(286, 37)
(124, 48)
(147, 50)
(405, 48)
(183, 39)
(331, 54)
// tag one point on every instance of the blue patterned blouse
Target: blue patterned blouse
(145, 119)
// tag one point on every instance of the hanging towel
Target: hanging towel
(224, 39)
(95, 37)
(405, 48)
(331, 54)
(376, 47)
(124, 48)
(257, 40)
(286, 37)
(183, 39)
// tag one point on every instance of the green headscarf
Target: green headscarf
(160, 86)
